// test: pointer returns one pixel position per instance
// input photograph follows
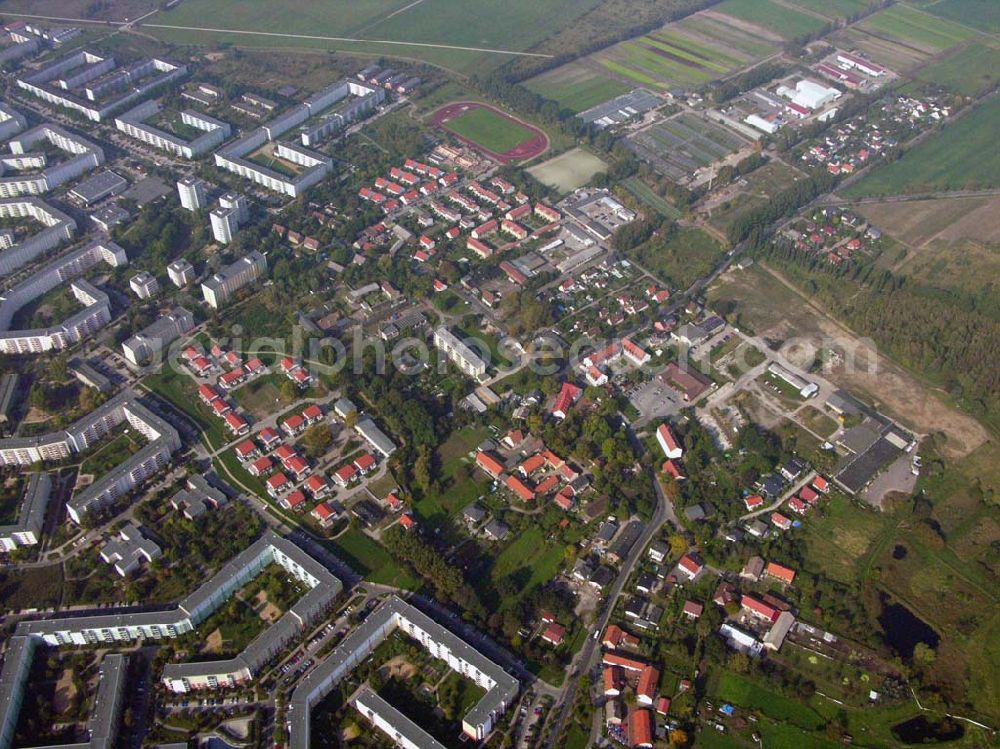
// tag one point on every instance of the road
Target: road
(586, 658)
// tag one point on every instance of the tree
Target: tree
(924, 654)
(318, 439)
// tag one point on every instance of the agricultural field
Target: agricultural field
(686, 54)
(680, 146)
(977, 14)
(433, 31)
(575, 87)
(894, 55)
(963, 156)
(721, 31)
(569, 170)
(779, 19)
(970, 70)
(833, 9)
(922, 30)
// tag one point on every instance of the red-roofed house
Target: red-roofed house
(312, 413)
(269, 437)
(780, 521)
(324, 513)
(293, 500)
(547, 485)
(753, 502)
(547, 212)
(490, 464)
(820, 484)
(299, 466)
(554, 634)
(614, 681)
(293, 425)
(797, 506)
(648, 685)
(629, 664)
(365, 463)
(285, 453)
(478, 247)
(564, 499)
(759, 609)
(260, 466)
(635, 353)
(806, 494)
(406, 520)
(690, 565)
(672, 449)
(278, 484)
(532, 464)
(231, 379)
(208, 393)
(663, 705)
(568, 395)
(254, 367)
(394, 502)
(640, 729)
(236, 423)
(318, 486)
(692, 609)
(246, 451)
(673, 468)
(524, 492)
(345, 474)
(779, 572)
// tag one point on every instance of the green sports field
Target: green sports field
(489, 130)
(962, 156)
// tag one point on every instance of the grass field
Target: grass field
(179, 390)
(969, 71)
(489, 130)
(347, 26)
(761, 185)
(687, 255)
(462, 483)
(963, 156)
(894, 55)
(110, 455)
(788, 24)
(568, 170)
(365, 555)
(649, 199)
(529, 550)
(914, 27)
(978, 14)
(745, 692)
(576, 88)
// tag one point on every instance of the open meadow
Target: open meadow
(911, 26)
(970, 70)
(978, 14)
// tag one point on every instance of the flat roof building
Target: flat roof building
(146, 345)
(218, 289)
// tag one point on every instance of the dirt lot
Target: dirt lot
(267, 610)
(765, 300)
(397, 668)
(917, 222)
(213, 643)
(65, 692)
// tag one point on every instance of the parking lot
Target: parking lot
(653, 399)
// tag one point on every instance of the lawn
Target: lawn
(969, 71)
(179, 390)
(262, 396)
(462, 482)
(365, 555)
(530, 550)
(110, 455)
(921, 29)
(490, 130)
(744, 692)
(786, 23)
(688, 254)
(576, 88)
(963, 156)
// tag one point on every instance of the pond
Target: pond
(899, 552)
(903, 630)
(921, 730)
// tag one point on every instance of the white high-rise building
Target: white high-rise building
(181, 273)
(233, 210)
(192, 193)
(220, 287)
